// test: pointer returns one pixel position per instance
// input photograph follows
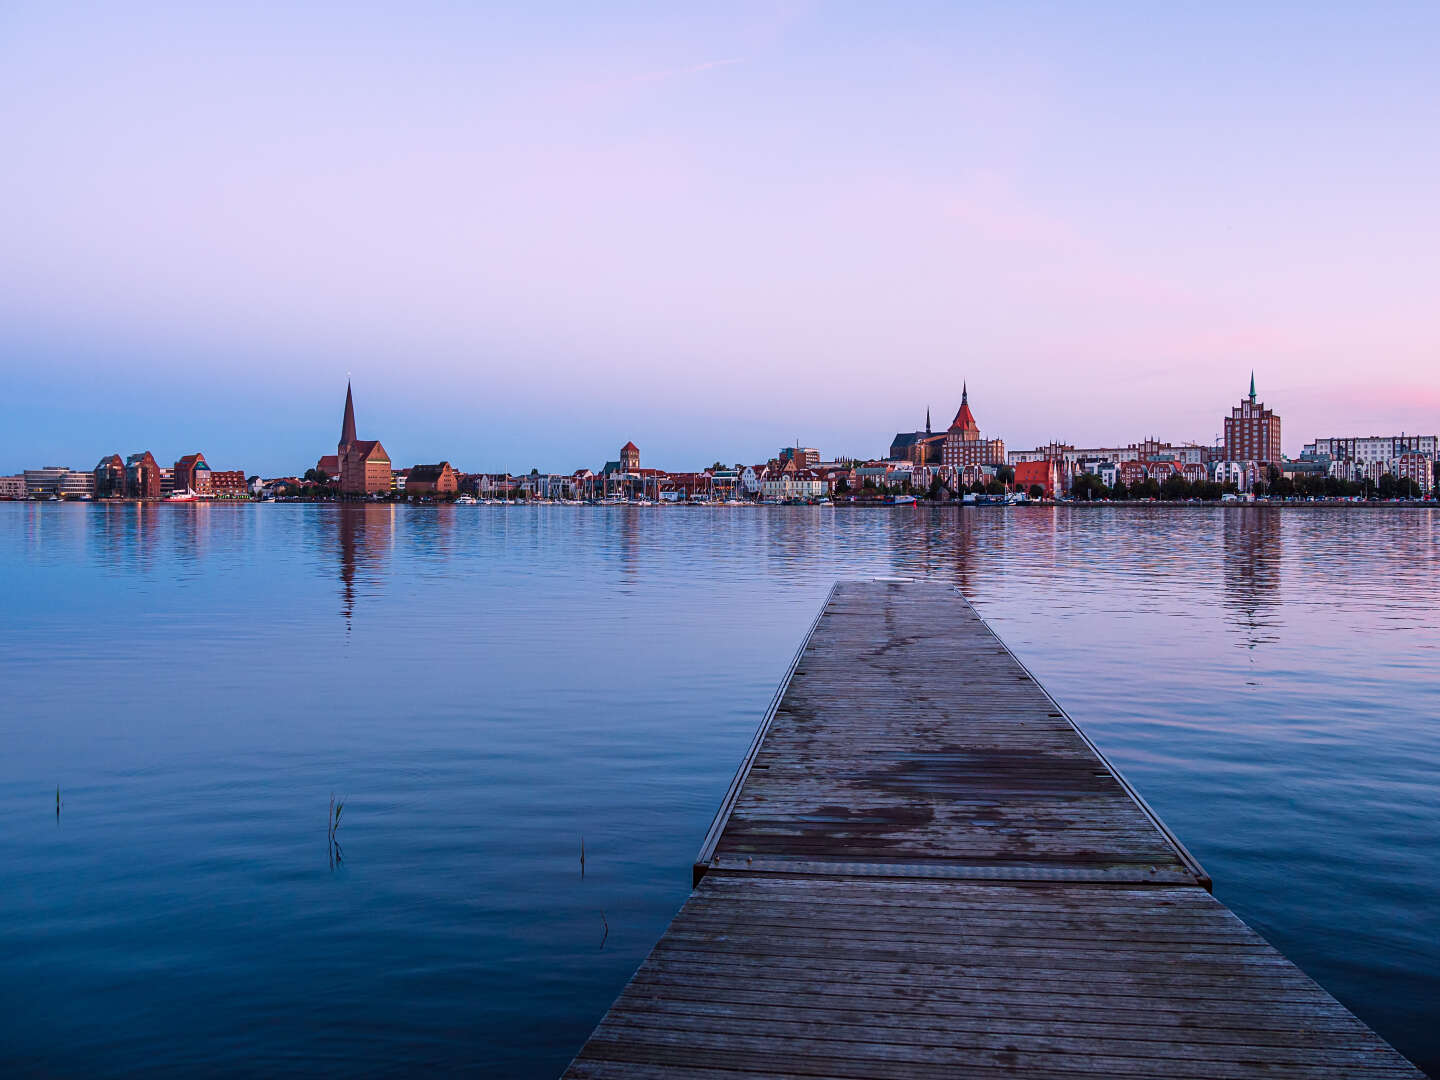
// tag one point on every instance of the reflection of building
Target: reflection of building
(1252, 432)
(362, 464)
(364, 535)
(963, 444)
(1252, 571)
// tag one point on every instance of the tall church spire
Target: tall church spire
(347, 426)
(927, 419)
(964, 394)
(1252, 386)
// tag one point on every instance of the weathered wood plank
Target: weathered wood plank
(924, 869)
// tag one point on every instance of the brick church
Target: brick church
(362, 465)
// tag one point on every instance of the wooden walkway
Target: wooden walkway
(924, 868)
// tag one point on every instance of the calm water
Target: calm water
(484, 687)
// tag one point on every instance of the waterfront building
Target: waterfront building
(192, 473)
(1243, 474)
(1149, 449)
(1413, 465)
(77, 485)
(228, 483)
(1044, 474)
(363, 464)
(142, 476)
(629, 458)
(1252, 432)
(12, 487)
(438, 479)
(963, 444)
(110, 477)
(1103, 468)
(44, 483)
(799, 484)
(1131, 472)
(725, 483)
(1373, 448)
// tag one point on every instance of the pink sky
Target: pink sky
(711, 232)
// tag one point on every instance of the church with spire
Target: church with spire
(963, 444)
(362, 465)
(920, 447)
(958, 446)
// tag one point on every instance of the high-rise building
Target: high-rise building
(1252, 432)
(963, 444)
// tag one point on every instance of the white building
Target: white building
(12, 487)
(1375, 449)
(801, 484)
(1146, 450)
(1242, 474)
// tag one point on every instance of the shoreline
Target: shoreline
(919, 505)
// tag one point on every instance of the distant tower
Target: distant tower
(347, 426)
(629, 457)
(927, 419)
(1252, 432)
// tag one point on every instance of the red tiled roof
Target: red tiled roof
(630, 446)
(965, 419)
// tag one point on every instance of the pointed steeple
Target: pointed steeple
(347, 426)
(927, 419)
(964, 420)
(1252, 386)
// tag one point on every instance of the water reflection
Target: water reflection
(498, 699)
(1251, 573)
(364, 534)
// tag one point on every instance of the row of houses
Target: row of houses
(138, 476)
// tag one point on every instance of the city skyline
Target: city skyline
(881, 449)
(714, 226)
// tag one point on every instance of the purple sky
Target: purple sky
(532, 235)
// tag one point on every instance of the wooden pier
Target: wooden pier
(923, 868)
